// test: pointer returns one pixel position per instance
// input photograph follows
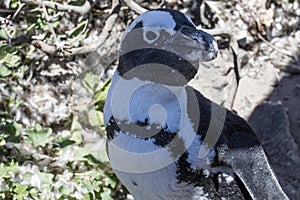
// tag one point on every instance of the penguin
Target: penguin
(167, 141)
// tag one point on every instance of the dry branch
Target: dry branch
(85, 8)
(6, 11)
(110, 22)
(135, 7)
(282, 52)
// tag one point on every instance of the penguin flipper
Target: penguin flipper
(252, 167)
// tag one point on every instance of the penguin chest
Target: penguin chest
(153, 174)
(160, 184)
(150, 171)
(149, 130)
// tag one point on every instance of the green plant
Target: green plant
(39, 160)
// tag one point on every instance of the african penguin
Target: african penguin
(165, 139)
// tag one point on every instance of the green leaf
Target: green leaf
(105, 195)
(46, 180)
(66, 190)
(77, 30)
(3, 34)
(90, 82)
(39, 136)
(87, 197)
(100, 154)
(10, 131)
(21, 192)
(11, 60)
(7, 170)
(2, 141)
(95, 186)
(34, 193)
(95, 118)
(4, 171)
(77, 2)
(64, 141)
(8, 56)
(77, 137)
(100, 96)
(95, 174)
(14, 4)
(76, 40)
(109, 182)
(91, 186)
(80, 154)
(92, 160)
(4, 71)
(76, 130)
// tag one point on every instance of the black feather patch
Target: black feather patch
(162, 138)
(179, 18)
(154, 72)
(111, 129)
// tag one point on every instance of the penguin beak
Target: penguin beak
(200, 44)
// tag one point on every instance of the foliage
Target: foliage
(21, 176)
(26, 178)
(38, 161)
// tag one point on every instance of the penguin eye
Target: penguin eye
(150, 35)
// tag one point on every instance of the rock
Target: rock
(288, 92)
(216, 79)
(256, 84)
(242, 43)
(270, 121)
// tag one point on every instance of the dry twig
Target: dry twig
(48, 22)
(21, 5)
(274, 47)
(6, 10)
(52, 49)
(259, 30)
(135, 7)
(85, 8)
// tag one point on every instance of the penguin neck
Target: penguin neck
(157, 66)
(134, 100)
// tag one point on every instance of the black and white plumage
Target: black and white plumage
(165, 139)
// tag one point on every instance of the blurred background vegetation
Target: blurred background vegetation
(45, 151)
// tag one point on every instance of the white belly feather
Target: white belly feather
(148, 170)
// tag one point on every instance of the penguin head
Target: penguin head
(166, 37)
(170, 30)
